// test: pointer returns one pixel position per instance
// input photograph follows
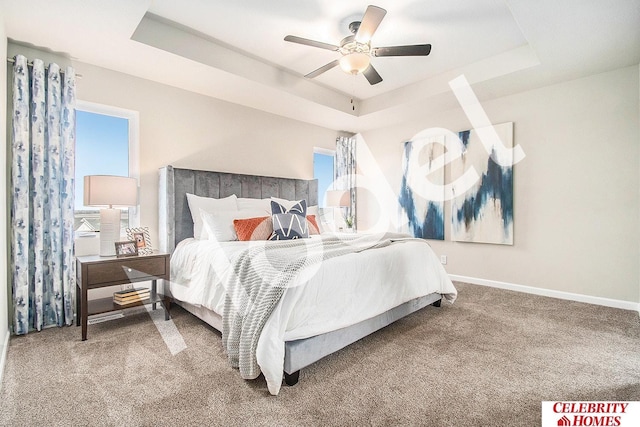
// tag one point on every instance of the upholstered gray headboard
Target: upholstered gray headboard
(175, 223)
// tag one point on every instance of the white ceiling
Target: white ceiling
(235, 50)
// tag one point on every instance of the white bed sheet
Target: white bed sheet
(340, 292)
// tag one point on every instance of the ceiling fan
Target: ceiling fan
(356, 49)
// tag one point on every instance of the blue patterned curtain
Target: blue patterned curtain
(346, 172)
(42, 183)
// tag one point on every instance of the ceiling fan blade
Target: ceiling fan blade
(369, 24)
(321, 45)
(372, 75)
(412, 50)
(322, 69)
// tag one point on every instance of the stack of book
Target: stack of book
(130, 296)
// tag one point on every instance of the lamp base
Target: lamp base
(109, 231)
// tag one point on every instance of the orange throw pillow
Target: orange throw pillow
(259, 228)
(313, 225)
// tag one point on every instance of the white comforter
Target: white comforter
(340, 292)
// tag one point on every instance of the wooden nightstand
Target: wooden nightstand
(93, 272)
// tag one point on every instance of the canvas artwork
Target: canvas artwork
(484, 213)
(421, 211)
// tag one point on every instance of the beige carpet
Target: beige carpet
(487, 360)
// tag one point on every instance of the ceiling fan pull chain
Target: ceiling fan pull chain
(353, 91)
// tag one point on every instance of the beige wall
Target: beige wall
(185, 129)
(577, 198)
(193, 131)
(577, 192)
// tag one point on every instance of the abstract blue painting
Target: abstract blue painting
(484, 213)
(421, 216)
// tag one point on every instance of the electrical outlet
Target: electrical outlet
(127, 286)
(443, 259)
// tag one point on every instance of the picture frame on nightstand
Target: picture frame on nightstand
(141, 236)
(126, 248)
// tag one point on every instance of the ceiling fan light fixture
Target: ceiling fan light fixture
(356, 49)
(355, 63)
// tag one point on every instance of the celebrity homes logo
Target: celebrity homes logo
(590, 414)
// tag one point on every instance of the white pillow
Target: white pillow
(255, 204)
(208, 204)
(219, 225)
(313, 210)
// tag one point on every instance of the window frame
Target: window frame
(330, 153)
(133, 117)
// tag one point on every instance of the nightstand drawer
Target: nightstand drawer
(125, 271)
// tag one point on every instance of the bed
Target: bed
(308, 321)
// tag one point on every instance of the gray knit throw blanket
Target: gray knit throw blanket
(260, 276)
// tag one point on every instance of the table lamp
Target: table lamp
(338, 199)
(108, 191)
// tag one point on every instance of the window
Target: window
(106, 144)
(323, 171)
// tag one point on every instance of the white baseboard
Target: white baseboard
(607, 302)
(3, 353)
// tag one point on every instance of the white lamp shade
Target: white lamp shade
(338, 198)
(355, 62)
(110, 190)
